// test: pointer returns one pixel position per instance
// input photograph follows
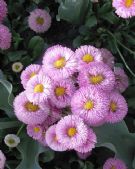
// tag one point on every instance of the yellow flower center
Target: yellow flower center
(87, 58)
(36, 129)
(11, 141)
(32, 74)
(17, 67)
(31, 107)
(129, 3)
(60, 63)
(96, 79)
(72, 132)
(113, 106)
(88, 105)
(39, 88)
(59, 91)
(40, 21)
(113, 167)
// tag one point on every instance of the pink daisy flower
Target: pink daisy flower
(5, 37)
(90, 104)
(83, 156)
(121, 83)
(28, 73)
(52, 140)
(98, 75)
(86, 55)
(71, 131)
(114, 163)
(62, 92)
(28, 112)
(3, 10)
(34, 131)
(39, 88)
(39, 20)
(59, 62)
(118, 108)
(124, 8)
(2, 160)
(108, 58)
(89, 144)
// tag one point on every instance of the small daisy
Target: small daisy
(2, 160)
(39, 20)
(39, 88)
(34, 131)
(114, 163)
(28, 112)
(124, 8)
(52, 140)
(83, 156)
(118, 108)
(98, 75)
(121, 79)
(28, 73)
(12, 140)
(71, 131)
(86, 55)
(90, 104)
(3, 10)
(59, 62)
(17, 67)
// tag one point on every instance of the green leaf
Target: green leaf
(17, 55)
(88, 165)
(92, 21)
(9, 124)
(47, 156)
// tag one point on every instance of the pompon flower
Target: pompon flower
(62, 92)
(89, 144)
(28, 112)
(108, 58)
(12, 140)
(59, 62)
(35, 131)
(39, 88)
(71, 131)
(2, 160)
(28, 73)
(17, 67)
(5, 37)
(121, 79)
(90, 104)
(52, 140)
(118, 108)
(3, 10)
(86, 55)
(39, 20)
(83, 156)
(124, 8)
(98, 75)
(114, 163)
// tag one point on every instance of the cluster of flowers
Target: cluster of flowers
(69, 93)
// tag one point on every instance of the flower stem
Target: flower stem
(20, 129)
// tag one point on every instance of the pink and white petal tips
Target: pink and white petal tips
(52, 140)
(5, 37)
(108, 58)
(124, 8)
(2, 160)
(118, 108)
(3, 10)
(113, 163)
(121, 79)
(39, 20)
(28, 73)
(89, 144)
(62, 92)
(91, 104)
(98, 75)
(59, 62)
(71, 131)
(39, 88)
(35, 131)
(86, 55)
(29, 113)
(83, 156)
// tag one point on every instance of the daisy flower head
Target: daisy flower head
(52, 140)
(91, 104)
(59, 62)
(5, 37)
(114, 163)
(98, 75)
(3, 10)
(86, 55)
(39, 20)
(17, 67)
(12, 140)
(34, 131)
(71, 131)
(121, 79)
(2, 160)
(83, 156)
(39, 88)
(124, 8)
(118, 108)
(28, 112)
(108, 58)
